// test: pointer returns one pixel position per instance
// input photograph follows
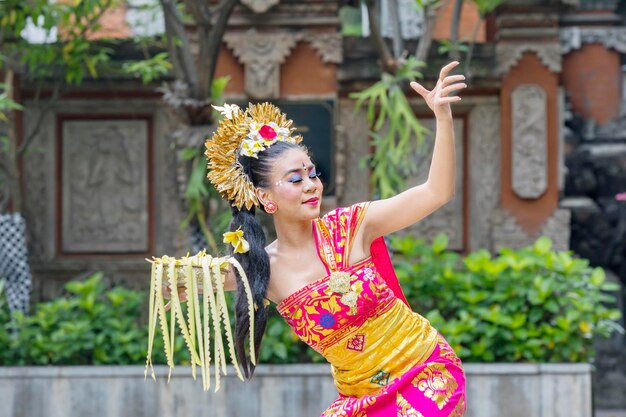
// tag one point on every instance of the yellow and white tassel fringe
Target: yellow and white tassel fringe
(206, 312)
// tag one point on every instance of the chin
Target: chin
(311, 212)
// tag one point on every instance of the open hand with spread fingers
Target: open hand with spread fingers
(439, 98)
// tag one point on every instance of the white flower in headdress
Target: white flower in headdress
(254, 131)
(282, 133)
(251, 148)
(227, 110)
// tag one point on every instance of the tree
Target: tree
(77, 54)
(393, 123)
(66, 62)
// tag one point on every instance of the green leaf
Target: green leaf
(597, 276)
(610, 286)
(440, 243)
(218, 87)
(543, 245)
(196, 187)
(189, 153)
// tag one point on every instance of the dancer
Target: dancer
(322, 273)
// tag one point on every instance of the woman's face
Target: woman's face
(294, 186)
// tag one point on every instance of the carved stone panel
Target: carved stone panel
(575, 37)
(261, 54)
(530, 141)
(104, 186)
(509, 53)
(449, 218)
(327, 44)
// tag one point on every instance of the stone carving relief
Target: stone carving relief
(104, 191)
(327, 45)
(573, 38)
(509, 53)
(484, 171)
(508, 233)
(261, 54)
(260, 6)
(529, 141)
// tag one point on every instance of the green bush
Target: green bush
(532, 304)
(282, 345)
(90, 325)
(5, 328)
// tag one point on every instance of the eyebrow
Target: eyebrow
(298, 170)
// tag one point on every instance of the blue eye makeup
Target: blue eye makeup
(298, 178)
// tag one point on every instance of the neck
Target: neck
(296, 234)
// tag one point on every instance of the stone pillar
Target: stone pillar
(261, 54)
(529, 63)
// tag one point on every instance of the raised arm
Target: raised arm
(402, 210)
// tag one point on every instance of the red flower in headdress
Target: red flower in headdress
(267, 132)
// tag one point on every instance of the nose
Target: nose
(309, 184)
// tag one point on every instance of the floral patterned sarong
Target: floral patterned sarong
(386, 360)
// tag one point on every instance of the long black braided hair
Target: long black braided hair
(255, 262)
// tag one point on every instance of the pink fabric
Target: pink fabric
(380, 255)
(412, 394)
(433, 386)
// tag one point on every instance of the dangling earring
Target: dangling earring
(270, 207)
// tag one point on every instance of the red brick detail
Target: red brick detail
(304, 73)
(113, 24)
(228, 65)
(592, 77)
(467, 24)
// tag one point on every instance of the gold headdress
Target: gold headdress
(243, 133)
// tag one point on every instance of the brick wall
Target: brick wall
(469, 19)
(592, 77)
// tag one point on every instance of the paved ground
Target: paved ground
(610, 413)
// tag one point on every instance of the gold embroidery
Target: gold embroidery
(349, 299)
(405, 409)
(459, 410)
(349, 406)
(445, 351)
(437, 383)
(339, 282)
(407, 342)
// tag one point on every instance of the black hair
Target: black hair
(255, 262)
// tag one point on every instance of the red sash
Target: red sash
(380, 255)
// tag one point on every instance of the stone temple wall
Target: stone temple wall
(596, 177)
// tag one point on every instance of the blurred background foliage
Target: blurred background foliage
(528, 305)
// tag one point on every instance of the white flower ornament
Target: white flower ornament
(228, 110)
